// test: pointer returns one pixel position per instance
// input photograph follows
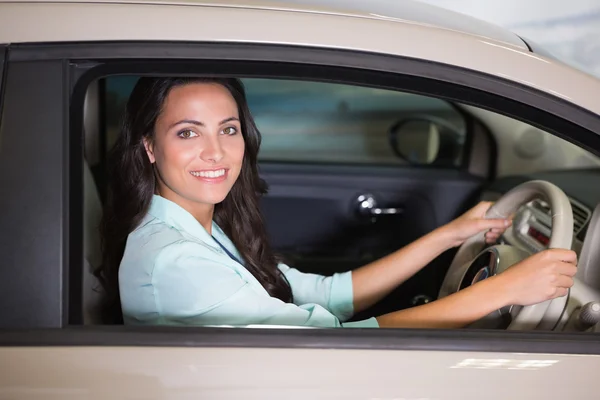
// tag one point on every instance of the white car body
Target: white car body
(315, 367)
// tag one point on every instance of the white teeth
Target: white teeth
(209, 174)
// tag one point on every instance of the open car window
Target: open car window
(320, 129)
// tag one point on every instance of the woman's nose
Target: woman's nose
(212, 151)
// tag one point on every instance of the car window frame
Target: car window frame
(3, 51)
(32, 169)
(86, 63)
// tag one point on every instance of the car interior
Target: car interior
(355, 173)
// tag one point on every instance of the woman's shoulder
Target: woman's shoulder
(154, 230)
(155, 241)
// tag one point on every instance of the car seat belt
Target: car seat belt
(234, 258)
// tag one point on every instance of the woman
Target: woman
(185, 242)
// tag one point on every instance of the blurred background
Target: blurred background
(568, 29)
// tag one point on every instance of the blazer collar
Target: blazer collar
(177, 217)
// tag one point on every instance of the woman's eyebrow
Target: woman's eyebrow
(198, 123)
(187, 121)
(226, 120)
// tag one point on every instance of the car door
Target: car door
(40, 288)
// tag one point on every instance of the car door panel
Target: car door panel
(313, 221)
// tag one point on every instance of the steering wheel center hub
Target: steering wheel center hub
(492, 261)
(483, 267)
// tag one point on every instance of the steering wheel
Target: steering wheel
(474, 262)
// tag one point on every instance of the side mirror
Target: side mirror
(426, 141)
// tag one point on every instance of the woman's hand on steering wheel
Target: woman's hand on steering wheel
(472, 222)
(540, 277)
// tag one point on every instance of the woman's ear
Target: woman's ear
(149, 150)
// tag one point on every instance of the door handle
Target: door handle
(367, 206)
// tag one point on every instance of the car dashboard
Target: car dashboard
(532, 226)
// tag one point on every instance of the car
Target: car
(379, 123)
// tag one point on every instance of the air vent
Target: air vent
(581, 214)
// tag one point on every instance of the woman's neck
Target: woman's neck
(204, 215)
(202, 212)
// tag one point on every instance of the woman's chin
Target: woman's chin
(211, 200)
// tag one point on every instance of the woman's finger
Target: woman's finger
(490, 224)
(564, 281)
(492, 235)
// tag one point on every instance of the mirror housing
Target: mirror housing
(424, 140)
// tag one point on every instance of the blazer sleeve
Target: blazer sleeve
(334, 293)
(195, 290)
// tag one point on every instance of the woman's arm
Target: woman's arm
(541, 277)
(454, 311)
(375, 280)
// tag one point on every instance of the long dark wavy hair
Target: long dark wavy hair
(132, 183)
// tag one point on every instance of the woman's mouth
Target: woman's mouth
(210, 176)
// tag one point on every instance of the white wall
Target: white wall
(569, 29)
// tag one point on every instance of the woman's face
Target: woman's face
(198, 145)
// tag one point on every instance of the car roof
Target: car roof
(401, 11)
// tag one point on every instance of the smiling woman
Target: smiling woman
(177, 135)
(185, 242)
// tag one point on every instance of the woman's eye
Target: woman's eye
(187, 134)
(230, 130)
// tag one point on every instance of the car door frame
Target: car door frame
(536, 107)
(3, 51)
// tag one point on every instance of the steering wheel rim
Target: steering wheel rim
(529, 317)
